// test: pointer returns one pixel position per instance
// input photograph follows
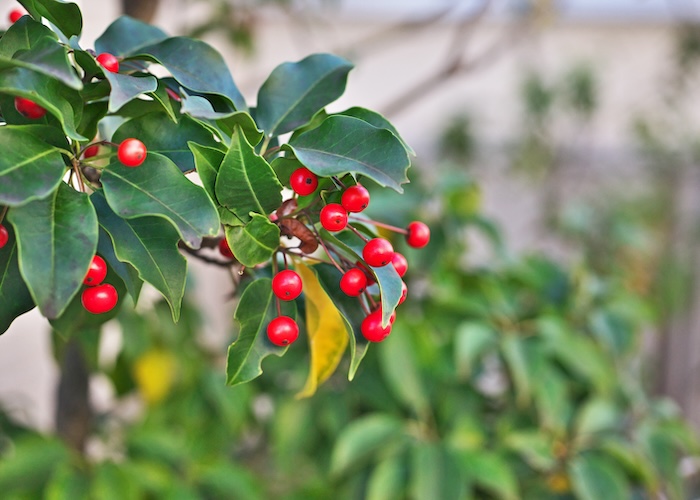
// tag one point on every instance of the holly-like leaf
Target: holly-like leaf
(57, 238)
(23, 35)
(126, 35)
(295, 92)
(161, 135)
(157, 187)
(353, 314)
(126, 88)
(254, 312)
(15, 298)
(242, 120)
(374, 118)
(30, 168)
(149, 244)
(65, 16)
(246, 183)
(255, 242)
(326, 331)
(49, 57)
(344, 144)
(196, 66)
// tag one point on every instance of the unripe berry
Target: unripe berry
(355, 198)
(303, 181)
(334, 217)
(372, 329)
(378, 252)
(131, 152)
(108, 62)
(418, 234)
(4, 236)
(353, 282)
(400, 264)
(15, 15)
(224, 249)
(97, 272)
(286, 285)
(99, 299)
(282, 331)
(28, 108)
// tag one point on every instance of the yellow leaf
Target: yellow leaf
(154, 374)
(327, 332)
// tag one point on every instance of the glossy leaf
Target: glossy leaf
(30, 168)
(23, 35)
(295, 92)
(376, 119)
(161, 96)
(15, 298)
(196, 66)
(57, 238)
(255, 242)
(207, 162)
(255, 310)
(242, 120)
(351, 310)
(49, 57)
(326, 332)
(126, 35)
(343, 144)
(161, 135)
(126, 272)
(595, 476)
(246, 183)
(126, 88)
(157, 187)
(64, 15)
(149, 244)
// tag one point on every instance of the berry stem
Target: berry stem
(337, 180)
(78, 174)
(364, 238)
(265, 144)
(364, 306)
(271, 151)
(380, 224)
(322, 243)
(279, 308)
(371, 299)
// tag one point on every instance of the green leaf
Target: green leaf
(162, 135)
(29, 167)
(196, 66)
(343, 144)
(362, 439)
(295, 92)
(595, 476)
(126, 35)
(112, 482)
(65, 16)
(374, 118)
(433, 472)
(472, 339)
(67, 482)
(388, 480)
(519, 363)
(349, 308)
(207, 162)
(126, 272)
(490, 471)
(15, 298)
(126, 88)
(149, 244)
(31, 464)
(46, 56)
(23, 35)
(255, 310)
(57, 238)
(534, 446)
(242, 120)
(595, 416)
(551, 393)
(157, 187)
(246, 183)
(59, 100)
(255, 242)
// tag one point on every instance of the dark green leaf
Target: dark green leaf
(49, 57)
(31, 464)
(595, 476)
(207, 162)
(65, 16)
(254, 312)
(126, 35)
(246, 183)
(150, 245)
(242, 120)
(157, 187)
(57, 238)
(520, 365)
(343, 144)
(29, 167)
(255, 242)
(162, 135)
(126, 88)
(161, 96)
(23, 35)
(374, 118)
(124, 270)
(295, 92)
(15, 298)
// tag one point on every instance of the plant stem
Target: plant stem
(358, 233)
(380, 224)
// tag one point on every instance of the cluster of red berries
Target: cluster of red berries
(356, 277)
(98, 297)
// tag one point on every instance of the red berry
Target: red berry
(131, 152)
(109, 62)
(378, 252)
(368, 273)
(392, 318)
(286, 285)
(99, 299)
(15, 14)
(353, 282)
(372, 328)
(355, 199)
(334, 217)
(418, 234)
(404, 292)
(91, 151)
(282, 330)
(29, 109)
(4, 236)
(224, 249)
(97, 272)
(400, 264)
(303, 181)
